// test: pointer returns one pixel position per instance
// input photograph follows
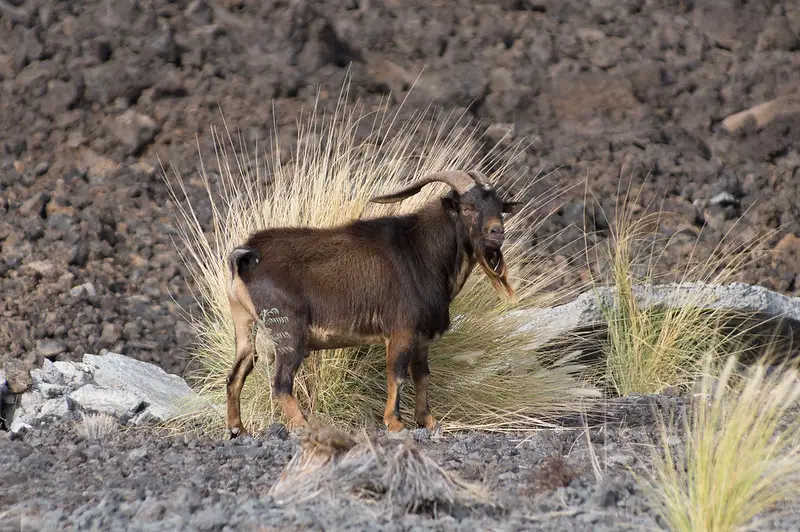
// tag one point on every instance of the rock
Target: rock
(117, 402)
(36, 205)
(29, 404)
(163, 393)
(723, 199)
(498, 132)
(56, 407)
(18, 426)
(111, 334)
(763, 113)
(138, 454)
(50, 348)
(74, 374)
(78, 255)
(48, 374)
(199, 12)
(113, 79)
(17, 375)
(134, 130)
(44, 268)
(52, 390)
(777, 35)
(41, 168)
(86, 288)
(585, 312)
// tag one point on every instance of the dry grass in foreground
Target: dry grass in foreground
(397, 476)
(741, 456)
(483, 377)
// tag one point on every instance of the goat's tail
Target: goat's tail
(241, 260)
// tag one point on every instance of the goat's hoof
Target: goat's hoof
(237, 432)
(394, 425)
(427, 421)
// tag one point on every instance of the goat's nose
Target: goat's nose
(496, 230)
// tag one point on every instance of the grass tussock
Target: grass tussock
(97, 427)
(482, 377)
(397, 476)
(652, 347)
(741, 452)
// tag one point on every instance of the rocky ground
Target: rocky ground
(134, 481)
(94, 93)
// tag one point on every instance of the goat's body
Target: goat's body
(386, 280)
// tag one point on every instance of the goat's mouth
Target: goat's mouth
(494, 266)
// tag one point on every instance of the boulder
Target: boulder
(132, 391)
(164, 394)
(586, 312)
(118, 402)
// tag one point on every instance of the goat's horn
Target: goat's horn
(458, 181)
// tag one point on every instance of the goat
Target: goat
(383, 280)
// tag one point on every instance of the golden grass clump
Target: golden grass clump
(482, 375)
(97, 427)
(741, 453)
(397, 475)
(651, 348)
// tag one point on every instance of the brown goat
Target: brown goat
(385, 280)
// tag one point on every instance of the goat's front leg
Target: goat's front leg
(422, 376)
(398, 354)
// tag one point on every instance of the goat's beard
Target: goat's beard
(494, 266)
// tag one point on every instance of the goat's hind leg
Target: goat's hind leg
(244, 363)
(290, 350)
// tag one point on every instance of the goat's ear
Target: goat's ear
(450, 202)
(511, 207)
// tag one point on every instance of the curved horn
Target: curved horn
(458, 181)
(479, 178)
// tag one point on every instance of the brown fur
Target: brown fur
(387, 280)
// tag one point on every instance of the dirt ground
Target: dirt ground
(93, 94)
(132, 481)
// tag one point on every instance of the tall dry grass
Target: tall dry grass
(650, 348)
(482, 375)
(741, 452)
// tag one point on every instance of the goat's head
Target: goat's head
(479, 208)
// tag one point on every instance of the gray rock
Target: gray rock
(48, 373)
(120, 403)
(19, 426)
(134, 130)
(52, 390)
(586, 311)
(164, 394)
(50, 348)
(56, 407)
(138, 454)
(74, 374)
(111, 333)
(41, 168)
(86, 288)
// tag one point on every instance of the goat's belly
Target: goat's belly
(322, 338)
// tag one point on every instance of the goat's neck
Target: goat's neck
(444, 242)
